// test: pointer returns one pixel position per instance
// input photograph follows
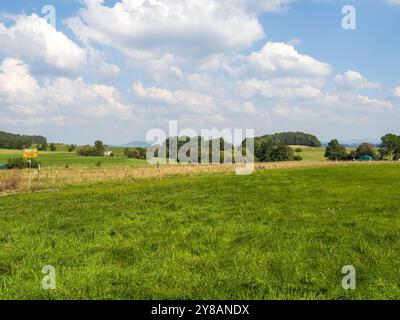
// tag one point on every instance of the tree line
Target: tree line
(18, 141)
(388, 149)
(99, 149)
(266, 149)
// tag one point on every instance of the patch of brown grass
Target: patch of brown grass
(10, 182)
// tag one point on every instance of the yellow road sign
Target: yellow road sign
(30, 153)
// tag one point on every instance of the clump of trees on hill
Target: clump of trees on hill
(92, 151)
(17, 141)
(388, 149)
(291, 139)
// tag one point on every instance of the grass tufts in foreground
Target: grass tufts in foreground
(283, 234)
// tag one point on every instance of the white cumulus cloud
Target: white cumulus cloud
(354, 80)
(283, 57)
(142, 28)
(396, 92)
(23, 97)
(33, 39)
(183, 99)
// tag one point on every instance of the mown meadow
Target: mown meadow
(64, 158)
(281, 234)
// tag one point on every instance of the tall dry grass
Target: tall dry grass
(58, 176)
(10, 182)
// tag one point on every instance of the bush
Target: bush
(43, 146)
(89, 151)
(11, 182)
(298, 158)
(53, 147)
(347, 157)
(298, 150)
(85, 151)
(71, 148)
(21, 163)
(135, 153)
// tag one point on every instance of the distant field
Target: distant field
(283, 234)
(62, 158)
(313, 154)
(310, 154)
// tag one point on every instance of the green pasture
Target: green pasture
(63, 158)
(283, 234)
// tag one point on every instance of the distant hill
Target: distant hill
(18, 141)
(135, 144)
(291, 138)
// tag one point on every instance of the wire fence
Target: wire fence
(49, 177)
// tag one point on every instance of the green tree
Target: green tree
(85, 151)
(366, 149)
(53, 147)
(71, 148)
(389, 145)
(133, 154)
(99, 148)
(268, 151)
(335, 151)
(43, 146)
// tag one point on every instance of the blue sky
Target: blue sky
(373, 48)
(114, 70)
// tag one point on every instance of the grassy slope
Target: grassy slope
(278, 234)
(311, 154)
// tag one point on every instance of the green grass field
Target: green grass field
(313, 154)
(62, 158)
(310, 154)
(282, 234)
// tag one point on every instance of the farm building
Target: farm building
(108, 153)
